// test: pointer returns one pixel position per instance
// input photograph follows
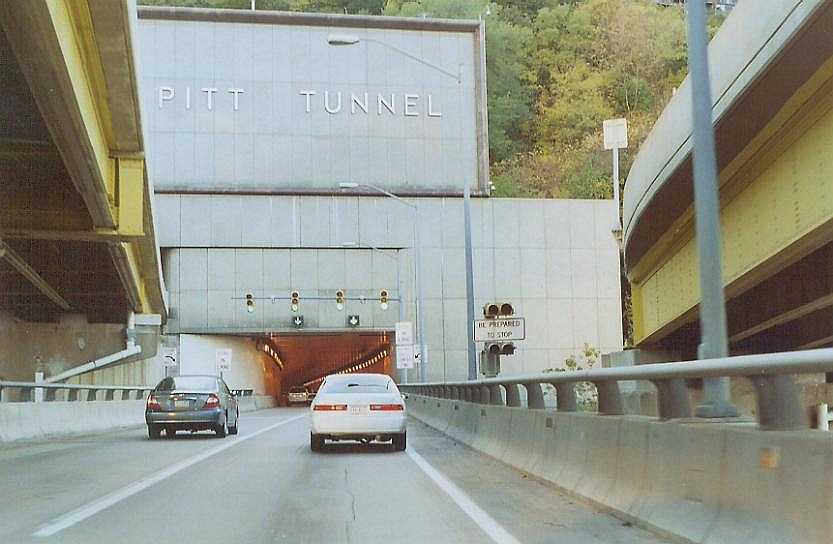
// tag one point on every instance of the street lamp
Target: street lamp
(352, 39)
(417, 265)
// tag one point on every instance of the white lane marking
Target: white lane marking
(71, 518)
(487, 523)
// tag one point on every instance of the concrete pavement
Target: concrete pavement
(266, 486)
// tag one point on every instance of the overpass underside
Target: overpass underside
(76, 225)
(774, 138)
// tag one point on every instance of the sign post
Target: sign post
(616, 138)
(405, 353)
(169, 359)
(223, 359)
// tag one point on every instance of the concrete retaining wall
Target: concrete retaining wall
(40, 420)
(695, 481)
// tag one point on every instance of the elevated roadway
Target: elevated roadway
(76, 212)
(266, 486)
(771, 67)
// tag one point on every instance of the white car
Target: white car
(363, 407)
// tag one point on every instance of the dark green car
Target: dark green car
(192, 403)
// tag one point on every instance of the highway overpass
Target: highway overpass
(771, 83)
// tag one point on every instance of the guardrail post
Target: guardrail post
(485, 394)
(513, 395)
(495, 395)
(48, 394)
(822, 417)
(475, 393)
(610, 399)
(779, 404)
(565, 397)
(3, 394)
(109, 394)
(534, 395)
(72, 394)
(672, 399)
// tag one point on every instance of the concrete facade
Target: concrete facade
(269, 105)
(247, 165)
(555, 260)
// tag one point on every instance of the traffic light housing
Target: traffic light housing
(295, 301)
(494, 310)
(500, 348)
(250, 302)
(340, 299)
(383, 299)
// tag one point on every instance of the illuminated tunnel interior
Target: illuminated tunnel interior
(308, 358)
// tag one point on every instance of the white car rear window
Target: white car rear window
(361, 384)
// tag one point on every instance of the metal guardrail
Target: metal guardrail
(50, 389)
(128, 392)
(777, 395)
(243, 392)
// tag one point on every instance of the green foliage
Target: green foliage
(587, 398)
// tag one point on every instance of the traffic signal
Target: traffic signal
(383, 299)
(340, 299)
(295, 301)
(250, 302)
(498, 309)
(500, 348)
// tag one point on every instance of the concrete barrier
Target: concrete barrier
(694, 481)
(33, 420)
(39, 420)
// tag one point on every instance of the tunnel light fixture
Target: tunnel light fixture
(348, 185)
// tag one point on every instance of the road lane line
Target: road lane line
(80, 514)
(487, 523)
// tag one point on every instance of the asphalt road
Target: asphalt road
(265, 485)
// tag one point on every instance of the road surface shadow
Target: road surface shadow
(356, 447)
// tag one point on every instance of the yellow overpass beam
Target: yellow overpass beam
(776, 207)
(78, 60)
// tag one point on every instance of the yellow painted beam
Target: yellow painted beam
(131, 194)
(73, 28)
(786, 204)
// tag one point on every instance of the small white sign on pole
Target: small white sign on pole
(500, 329)
(404, 332)
(405, 356)
(615, 133)
(169, 356)
(223, 358)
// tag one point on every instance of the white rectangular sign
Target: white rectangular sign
(404, 332)
(500, 329)
(615, 133)
(169, 357)
(405, 356)
(223, 358)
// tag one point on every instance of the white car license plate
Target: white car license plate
(182, 404)
(358, 410)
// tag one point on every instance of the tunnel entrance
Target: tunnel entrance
(308, 358)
